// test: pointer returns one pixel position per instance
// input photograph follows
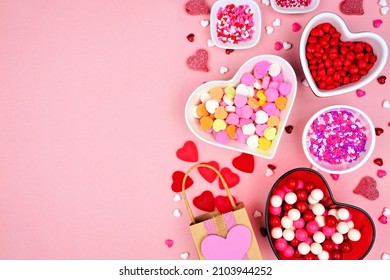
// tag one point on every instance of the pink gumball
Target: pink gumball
(275, 210)
(280, 244)
(280, 193)
(300, 185)
(309, 240)
(300, 223)
(288, 251)
(287, 189)
(312, 227)
(328, 231)
(301, 235)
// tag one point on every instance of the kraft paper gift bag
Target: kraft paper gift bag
(219, 236)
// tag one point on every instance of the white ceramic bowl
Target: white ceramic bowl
(314, 5)
(256, 18)
(347, 167)
(378, 44)
(194, 100)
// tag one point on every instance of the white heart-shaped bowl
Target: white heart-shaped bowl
(377, 42)
(194, 100)
(295, 10)
(344, 167)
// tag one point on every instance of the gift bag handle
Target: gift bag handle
(220, 177)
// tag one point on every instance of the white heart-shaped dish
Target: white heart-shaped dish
(194, 100)
(377, 42)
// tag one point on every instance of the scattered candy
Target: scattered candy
(385, 256)
(191, 37)
(177, 179)
(276, 22)
(197, 7)
(335, 176)
(377, 23)
(278, 46)
(169, 243)
(289, 129)
(205, 201)
(223, 204)
(244, 162)
(176, 213)
(176, 197)
(269, 172)
(296, 27)
(352, 7)
(198, 61)
(223, 70)
(382, 3)
(184, 255)
(271, 166)
(293, 3)
(204, 22)
(287, 45)
(386, 211)
(208, 174)
(381, 173)
(265, 2)
(229, 51)
(367, 188)
(381, 80)
(305, 83)
(382, 219)
(188, 152)
(231, 178)
(378, 131)
(386, 104)
(384, 10)
(269, 29)
(210, 43)
(360, 93)
(257, 214)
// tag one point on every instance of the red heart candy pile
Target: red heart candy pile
(334, 63)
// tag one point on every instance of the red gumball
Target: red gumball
(287, 207)
(297, 254)
(328, 245)
(301, 206)
(336, 255)
(330, 221)
(346, 247)
(309, 186)
(292, 183)
(301, 195)
(308, 216)
(310, 257)
(274, 221)
(294, 242)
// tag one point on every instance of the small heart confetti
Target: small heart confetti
(385, 256)
(335, 176)
(188, 152)
(204, 22)
(386, 104)
(360, 93)
(176, 213)
(384, 10)
(257, 214)
(269, 172)
(382, 3)
(223, 70)
(287, 45)
(184, 255)
(378, 131)
(289, 129)
(382, 219)
(276, 22)
(377, 23)
(381, 80)
(381, 173)
(367, 188)
(271, 166)
(210, 43)
(229, 51)
(197, 7)
(176, 197)
(278, 46)
(378, 161)
(269, 30)
(386, 211)
(169, 243)
(265, 2)
(191, 37)
(296, 27)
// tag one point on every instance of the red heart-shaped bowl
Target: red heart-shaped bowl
(303, 177)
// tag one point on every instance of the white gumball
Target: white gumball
(317, 194)
(320, 220)
(288, 234)
(342, 227)
(304, 248)
(350, 224)
(311, 200)
(294, 214)
(276, 201)
(343, 214)
(354, 235)
(332, 212)
(318, 209)
(276, 232)
(315, 248)
(324, 255)
(290, 198)
(319, 237)
(286, 222)
(337, 238)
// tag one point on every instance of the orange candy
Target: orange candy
(273, 121)
(201, 110)
(220, 113)
(216, 93)
(206, 123)
(231, 131)
(253, 103)
(281, 102)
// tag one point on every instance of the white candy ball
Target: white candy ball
(315, 248)
(337, 238)
(294, 214)
(318, 209)
(311, 200)
(354, 234)
(317, 194)
(290, 198)
(342, 214)
(350, 224)
(320, 220)
(276, 232)
(286, 222)
(276, 201)
(324, 255)
(288, 234)
(332, 212)
(319, 237)
(342, 227)
(303, 248)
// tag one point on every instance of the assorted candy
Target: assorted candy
(249, 112)
(337, 137)
(302, 227)
(334, 63)
(293, 3)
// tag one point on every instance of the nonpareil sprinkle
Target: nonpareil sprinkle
(293, 3)
(337, 137)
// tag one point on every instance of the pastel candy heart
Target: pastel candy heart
(233, 118)
(296, 27)
(198, 61)
(285, 88)
(233, 247)
(223, 204)
(276, 22)
(188, 152)
(208, 174)
(205, 201)
(248, 79)
(169, 243)
(377, 23)
(177, 179)
(272, 94)
(278, 46)
(386, 211)
(352, 7)
(386, 104)
(184, 255)
(246, 112)
(261, 69)
(257, 214)
(279, 78)
(360, 93)
(269, 30)
(335, 176)
(240, 100)
(378, 161)
(382, 219)
(222, 137)
(231, 178)
(197, 7)
(244, 163)
(367, 188)
(381, 173)
(260, 129)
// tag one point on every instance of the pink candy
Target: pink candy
(293, 3)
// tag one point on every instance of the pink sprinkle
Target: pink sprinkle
(382, 219)
(381, 173)
(278, 46)
(360, 93)
(296, 27)
(335, 176)
(169, 243)
(293, 3)
(377, 23)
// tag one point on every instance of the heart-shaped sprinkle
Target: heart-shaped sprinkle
(382, 219)
(257, 214)
(176, 197)
(177, 179)
(367, 188)
(386, 104)
(223, 70)
(385, 256)
(360, 93)
(378, 161)
(263, 232)
(305, 83)
(223, 204)
(176, 213)
(287, 45)
(169, 243)
(269, 172)
(377, 23)
(278, 46)
(378, 131)
(289, 129)
(386, 211)
(271, 166)
(204, 22)
(244, 162)
(198, 61)
(269, 30)
(265, 2)
(335, 176)
(229, 51)
(208, 174)
(381, 173)
(276, 22)
(382, 3)
(197, 7)
(188, 152)
(384, 10)
(296, 27)
(352, 7)
(210, 43)
(381, 80)
(184, 255)
(231, 178)
(205, 201)
(191, 37)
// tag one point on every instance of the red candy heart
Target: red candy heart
(205, 201)
(382, 219)
(223, 205)
(381, 173)
(197, 7)
(177, 180)
(367, 188)
(188, 152)
(229, 51)
(208, 174)
(378, 131)
(169, 243)
(271, 166)
(289, 129)
(199, 60)
(335, 176)
(381, 80)
(244, 163)
(191, 37)
(378, 161)
(352, 7)
(231, 178)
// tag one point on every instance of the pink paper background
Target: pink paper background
(92, 97)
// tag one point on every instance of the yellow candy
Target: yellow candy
(273, 121)
(231, 130)
(216, 93)
(206, 123)
(270, 133)
(219, 125)
(220, 113)
(281, 102)
(261, 95)
(230, 92)
(253, 103)
(262, 103)
(201, 110)
(264, 143)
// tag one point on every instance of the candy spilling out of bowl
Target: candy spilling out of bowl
(305, 222)
(247, 113)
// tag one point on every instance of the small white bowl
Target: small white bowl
(299, 10)
(256, 18)
(377, 42)
(347, 167)
(194, 99)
